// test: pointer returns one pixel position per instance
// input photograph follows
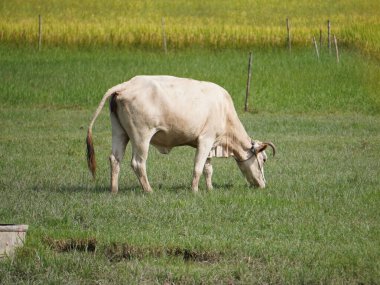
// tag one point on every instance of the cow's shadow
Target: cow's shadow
(134, 188)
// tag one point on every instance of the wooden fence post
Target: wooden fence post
(248, 82)
(164, 36)
(316, 47)
(336, 49)
(329, 35)
(289, 36)
(39, 32)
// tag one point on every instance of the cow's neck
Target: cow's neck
(237, 141)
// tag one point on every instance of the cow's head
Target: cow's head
(253, 166)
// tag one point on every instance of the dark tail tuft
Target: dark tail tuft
(91, 162)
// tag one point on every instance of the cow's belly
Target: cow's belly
(164, 141)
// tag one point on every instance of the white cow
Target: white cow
(166, 112)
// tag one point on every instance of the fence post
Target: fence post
(248, 82)
(39, 32)
(289, 37)
(316, 47)
(164, 35)
(336, 49)
(329, 35)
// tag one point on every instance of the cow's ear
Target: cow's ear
(261, 147)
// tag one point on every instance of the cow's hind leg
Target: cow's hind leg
(139, 158)
(207, 172)
(203, 149)
(119, 142)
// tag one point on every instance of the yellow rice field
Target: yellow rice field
(214, 24)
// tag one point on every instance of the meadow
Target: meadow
(316, 222)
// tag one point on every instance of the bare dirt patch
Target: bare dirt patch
(71, 244)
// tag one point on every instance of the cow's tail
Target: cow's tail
(91, 162)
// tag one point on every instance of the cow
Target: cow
(167, 112)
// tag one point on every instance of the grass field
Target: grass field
(215, 24)
(285, 83)
(316, 222)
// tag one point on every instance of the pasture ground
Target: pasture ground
(317, 222)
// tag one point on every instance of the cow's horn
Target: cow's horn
(272, 146)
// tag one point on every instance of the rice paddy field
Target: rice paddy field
(316, 222)
(215, 24)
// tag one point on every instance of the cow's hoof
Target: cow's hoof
(195, 190)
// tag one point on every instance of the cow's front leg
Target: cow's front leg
(201, 155)
(207, 172)
(140, 155)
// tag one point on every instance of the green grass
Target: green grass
(281, 82)
(317, 222)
